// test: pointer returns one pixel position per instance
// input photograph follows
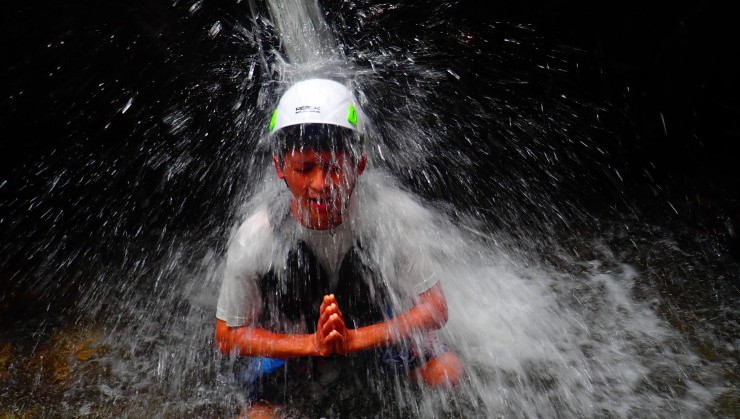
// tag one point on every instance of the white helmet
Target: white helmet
(316, 101)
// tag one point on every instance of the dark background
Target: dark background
(72, 160)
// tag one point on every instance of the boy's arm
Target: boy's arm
(429, 313)
(255, 341)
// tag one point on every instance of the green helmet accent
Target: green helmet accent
(273, 120)
(352, 117)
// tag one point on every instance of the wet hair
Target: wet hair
(318, 137)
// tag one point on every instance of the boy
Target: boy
(304, 277)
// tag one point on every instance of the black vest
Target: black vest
(293, 294)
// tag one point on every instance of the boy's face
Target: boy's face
(321, 183)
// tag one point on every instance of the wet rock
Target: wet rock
(25, 413)
(87, 349)
(6, 350)
(38, 369)
(708, 351)
(729, 404)
(666, 381)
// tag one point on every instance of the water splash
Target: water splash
(546, 329)
(305, 36)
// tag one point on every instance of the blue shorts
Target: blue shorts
(252, 372)
(253, 369)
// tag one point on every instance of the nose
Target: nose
(319, 179)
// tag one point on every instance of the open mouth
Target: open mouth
(318, 203)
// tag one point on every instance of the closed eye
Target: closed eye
(304, 169)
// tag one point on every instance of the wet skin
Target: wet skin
(321, 183)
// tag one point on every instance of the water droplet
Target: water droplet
(127, 105)
(215, 29)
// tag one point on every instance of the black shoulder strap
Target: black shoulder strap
(294, 292)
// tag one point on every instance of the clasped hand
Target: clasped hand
(332, 336)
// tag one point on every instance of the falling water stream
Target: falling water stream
(556, 308)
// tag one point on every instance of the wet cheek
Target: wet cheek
(298, 188)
